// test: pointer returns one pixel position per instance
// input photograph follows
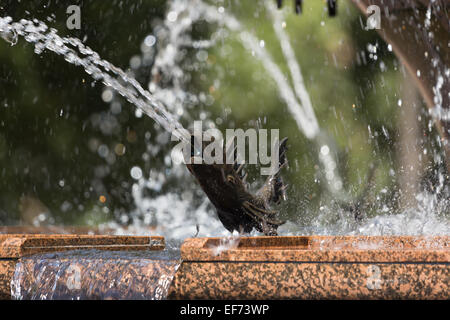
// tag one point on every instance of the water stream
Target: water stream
(75, 52)
(91, 274)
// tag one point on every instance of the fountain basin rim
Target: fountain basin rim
(362, 249)
(14, 246)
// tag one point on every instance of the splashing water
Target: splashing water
(300, 106)
(173, 35)
(227, 243)
(428, 218)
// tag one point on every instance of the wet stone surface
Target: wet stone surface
(20, 245)
(316, 267)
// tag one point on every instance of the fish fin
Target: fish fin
(263, 223)
(260, 215)
(274, 189)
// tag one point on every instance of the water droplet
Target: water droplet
(338, 185)
(116, 107)
(150, 40)
(135, 62)
(172, 16)
(136, 173)
(324, 150)
(107, 95)
(202, 55)
(103, 151)
(9, 36)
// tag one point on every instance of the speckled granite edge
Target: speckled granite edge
(266, 280)
(19, 245)
(322, 249)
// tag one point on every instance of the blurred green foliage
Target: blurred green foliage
(47, 106)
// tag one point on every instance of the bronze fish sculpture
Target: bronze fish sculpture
(237, 208)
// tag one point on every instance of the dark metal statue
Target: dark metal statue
(237, 208)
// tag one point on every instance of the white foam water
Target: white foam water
(428, 218)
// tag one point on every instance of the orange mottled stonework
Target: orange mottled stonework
(257, 280)
(316, 267)
(20, 245)
(310, 267)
